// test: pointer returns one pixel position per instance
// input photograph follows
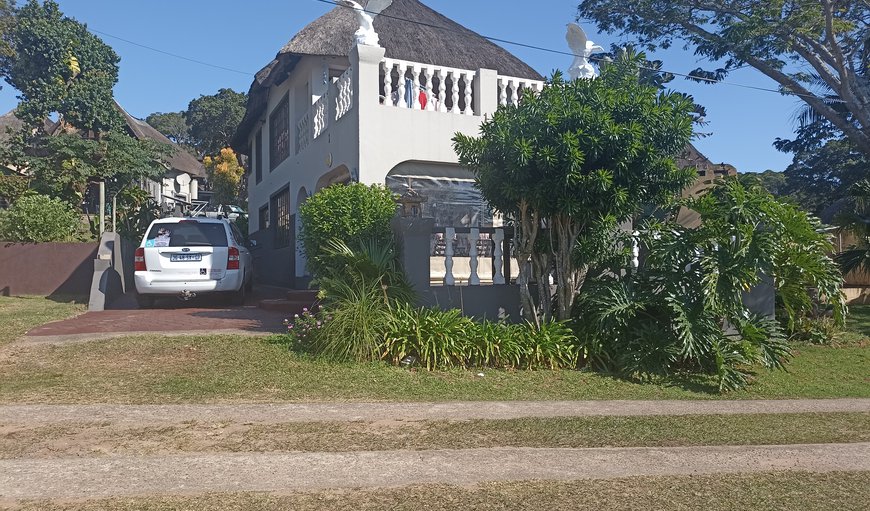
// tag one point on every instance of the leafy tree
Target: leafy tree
(225, 174)
(670, 314)
(13, 187)
(818, 177)
(63, 70)
(803, 45)
(574, 161)
(136, 210)
(63, 165)
(60, 68)
(7, 22)
(37, 218)
(174, 126)
(213, 119)
(774, 182)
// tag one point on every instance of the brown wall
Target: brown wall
(46, 269)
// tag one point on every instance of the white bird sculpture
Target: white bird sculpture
(366, 34)
(582, 48)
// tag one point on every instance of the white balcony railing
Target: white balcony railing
(427, 87)
(414, 86)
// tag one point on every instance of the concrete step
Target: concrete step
(289, 307)
(302, 295)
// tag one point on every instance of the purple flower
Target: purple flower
(304, 309)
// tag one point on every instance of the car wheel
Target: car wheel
(239, 297)
(145, 301)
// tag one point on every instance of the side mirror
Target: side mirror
(252, 243)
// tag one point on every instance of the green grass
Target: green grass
(20, 314)
(105, 438)
(857, 331)
(841, 491)
(225, 368)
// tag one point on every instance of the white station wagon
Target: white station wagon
(186, 257)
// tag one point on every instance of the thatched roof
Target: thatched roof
(10, 122)
(431, 39)
(181, 160)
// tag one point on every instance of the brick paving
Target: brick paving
(205, 315)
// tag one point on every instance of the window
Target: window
(282, 219)
(187, 233)
(263, 218)
(258, 161)
(279, 134)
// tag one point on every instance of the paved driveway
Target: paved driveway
(170, 315)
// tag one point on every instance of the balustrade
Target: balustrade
(427, 87)
(471, 256)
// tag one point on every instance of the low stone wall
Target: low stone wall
(46, 269)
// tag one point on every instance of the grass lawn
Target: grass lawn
(20, 314)
(103, 438)
(843, 491)
(226, 368)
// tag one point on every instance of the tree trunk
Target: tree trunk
(525, 236)
(568, 279)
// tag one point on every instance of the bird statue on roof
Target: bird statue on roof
(582, 48)
(366, 34)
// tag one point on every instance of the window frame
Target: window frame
(279, 131)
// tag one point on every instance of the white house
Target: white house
(329, 110)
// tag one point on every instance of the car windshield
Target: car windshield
(187, 233)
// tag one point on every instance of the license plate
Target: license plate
(185, 257)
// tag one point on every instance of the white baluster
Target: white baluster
(473, 238)
(442, 91)
(469, 107)
(415, 87)
(388, 84)
(519, 92)
(502, 93)
(430, 91)
(402, 89)
(454, 86)
(498, 261)
(635, 251)
(449, 233)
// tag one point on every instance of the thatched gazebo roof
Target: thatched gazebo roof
(430, 38)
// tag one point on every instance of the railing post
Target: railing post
(449, 234)
(486, 92)
(473, 238)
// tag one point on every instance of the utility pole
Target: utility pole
(102, 207)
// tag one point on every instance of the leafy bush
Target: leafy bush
(348, 213)
(364, 263)
(13, 187)
(438, 339)
(683, 310)
(38, 218)
(136, 210)
(352, 323)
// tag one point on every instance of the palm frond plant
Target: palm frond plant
(683, 309)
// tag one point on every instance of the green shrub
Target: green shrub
(433, 338)
(682, 310)
(12, 188)
(136, 210)
(39, 218)
(352, 324)
(347, 213)
(437, 339)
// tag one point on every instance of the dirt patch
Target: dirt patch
(114, 439)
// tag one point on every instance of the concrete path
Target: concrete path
(343, 412)
(207, 473)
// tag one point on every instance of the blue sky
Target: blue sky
(245, 36)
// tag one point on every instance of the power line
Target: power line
(594, 59)
(181, 57)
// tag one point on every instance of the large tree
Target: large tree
(60, 69)
(63, 71)
(213, 119)
(174, 126)
(572, 162)
(815, 49)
